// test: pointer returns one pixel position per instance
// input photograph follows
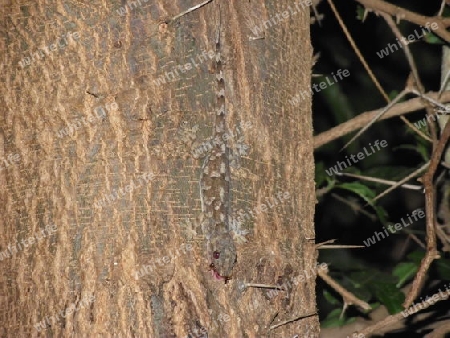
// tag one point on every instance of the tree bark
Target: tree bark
(108, 118)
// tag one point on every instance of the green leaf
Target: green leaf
(393, 94)
(370, 276)
(359, 189)
(433, 39)
(360, 283)
(443, 268)
(422, 146)
(424, 150)
(330, 298)
(333, 319)
(373, 306)
(325, 189)
(336, 100)
(389, 295)
(364, 278)
(367, 194)
(360, 10)
(380, 286)
(446, 12)
(320, 174)
(404, 271)
(416, 256)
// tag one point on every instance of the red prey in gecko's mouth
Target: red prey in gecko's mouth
(214, 268)
(217, 275)
(222, 253)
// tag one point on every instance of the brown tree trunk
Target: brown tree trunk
(109, 114)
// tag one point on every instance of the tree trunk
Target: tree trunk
(111, 139)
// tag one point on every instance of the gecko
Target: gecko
(215, 185)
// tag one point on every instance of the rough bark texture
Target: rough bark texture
(106, 179)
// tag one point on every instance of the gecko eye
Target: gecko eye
(216, 254)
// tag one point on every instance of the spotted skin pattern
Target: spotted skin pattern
(215, 187)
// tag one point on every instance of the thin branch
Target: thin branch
(367, 68)
(405, 48)
(382, 181)
(354, 206)
(445, 240)
(415, 73)
(404, 14)
(348, 297)
(361, 120)
(444, 83)
(415, 129)
(417, 240)
(431, 253)
(263, 286)
(389, 320)
(292, 320)
(357, 51)
(188, 11)
(439, 331)
(430, 99)
(403, 180)
(441, 9)
(377, 117)
(342, 247)
(318, 245)
(382, 324)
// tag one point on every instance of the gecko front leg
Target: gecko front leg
(222, 253)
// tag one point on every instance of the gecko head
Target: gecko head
(223, 256)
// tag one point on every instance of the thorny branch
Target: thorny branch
(397, 109)
(427, 181)
(363, 119)
(348, 297)
(415, 73)
(404, 14)
(372, 77)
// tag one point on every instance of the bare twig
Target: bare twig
(382, 181)
(405, 48)
(417, 240)
(430, 99)
(356, 49)
(403, 180)
(362, 119)
(431, 253)
(399, 12)
(388, 321)
(368, 70)
(445, 240)
(341, 247)
(263, 286)
(414, 128)
(292, 320)
(382, 324)
(356, 207)
(441, 9)
(444, 83)
(440, 330)
(414, 71)
(377, 117)
(349, 298)
(188, 11)
(318, 245)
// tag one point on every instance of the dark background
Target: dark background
(350, 97)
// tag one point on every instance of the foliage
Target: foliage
(378, 274)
